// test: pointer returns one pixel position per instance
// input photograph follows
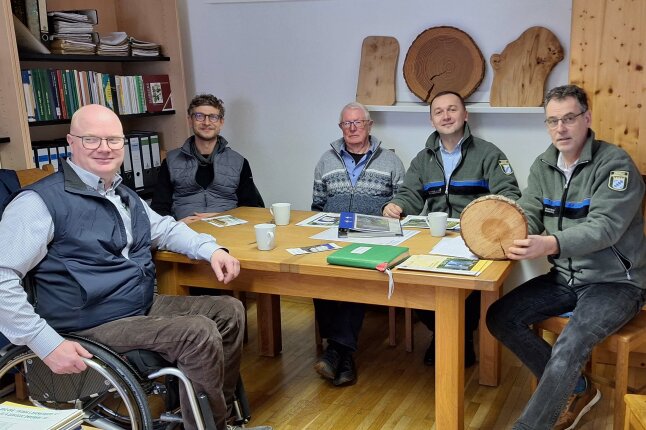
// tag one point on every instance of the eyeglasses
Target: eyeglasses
(94, 142)
(359, 123)
(200, 117)
(569, 119)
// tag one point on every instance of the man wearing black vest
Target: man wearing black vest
(85, 240)
(205, 175)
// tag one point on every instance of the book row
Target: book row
(141, 163)
(55, 94)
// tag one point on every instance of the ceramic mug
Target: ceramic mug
(437, 223)
(280, 212)
(265, 236)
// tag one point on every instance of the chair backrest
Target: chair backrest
(29, 176)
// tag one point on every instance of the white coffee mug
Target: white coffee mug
(437, 223)
(265, 236)
(280, 211)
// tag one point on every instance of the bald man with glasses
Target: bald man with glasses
(205, 175)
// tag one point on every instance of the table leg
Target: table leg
(449, 358)
(168, 279)
(270, 341)
(489, 346)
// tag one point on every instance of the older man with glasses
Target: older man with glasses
(355, 175)
(583, 206)
(205, 175)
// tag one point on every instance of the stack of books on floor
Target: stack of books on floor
(21, 417)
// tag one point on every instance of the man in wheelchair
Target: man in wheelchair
(85, 240)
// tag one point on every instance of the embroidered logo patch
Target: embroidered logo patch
(618, 180)
(506, 167)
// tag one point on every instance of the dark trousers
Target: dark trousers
(201, 335)
(599, 310)
(471, 315)
(339, 322)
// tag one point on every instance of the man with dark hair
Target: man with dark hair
(583, 206)
(453, 169)
(204, 175)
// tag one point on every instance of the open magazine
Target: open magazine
(444, 264)
(419, 221)
(358, 225)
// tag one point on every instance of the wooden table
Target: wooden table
(635, 412)
(275, 273)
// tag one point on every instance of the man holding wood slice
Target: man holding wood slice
(584, 211)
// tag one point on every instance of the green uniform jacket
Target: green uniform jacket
(597, 218)
(483, 169)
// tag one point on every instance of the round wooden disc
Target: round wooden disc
(490, 224)
(443, 59)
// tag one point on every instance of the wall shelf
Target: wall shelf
(471, 107)
(26, 56)
(68, 120)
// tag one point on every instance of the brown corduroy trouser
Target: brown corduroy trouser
(202, 335)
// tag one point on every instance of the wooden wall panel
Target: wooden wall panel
(607, 58)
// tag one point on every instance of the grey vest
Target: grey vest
(188, 196)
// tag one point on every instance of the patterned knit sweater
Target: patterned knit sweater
(377, 184)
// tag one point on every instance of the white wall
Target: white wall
(285, 69)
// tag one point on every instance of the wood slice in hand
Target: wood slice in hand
(377, 70)
(443, 59)
(490, 224)
(522, 68)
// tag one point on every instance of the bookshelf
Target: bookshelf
(154, 20)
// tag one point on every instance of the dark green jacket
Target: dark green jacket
(483, 169)
(597, 219)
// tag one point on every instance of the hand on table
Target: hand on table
(391, 210)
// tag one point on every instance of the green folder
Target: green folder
(380, 257)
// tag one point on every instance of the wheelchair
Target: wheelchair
(137, 390)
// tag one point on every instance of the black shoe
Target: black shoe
(346, 374)
(429, 355)
(469, 354)
(328, 364)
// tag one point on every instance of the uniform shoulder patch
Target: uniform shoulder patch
(618, 180)
(506, 167)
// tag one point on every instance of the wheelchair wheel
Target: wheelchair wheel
(109, 393)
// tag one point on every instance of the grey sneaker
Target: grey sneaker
(577, 406)
(230, 427)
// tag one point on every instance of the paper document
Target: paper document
(453, 247)
(442, 264)
(332, 234)
(224, 220)
(323, 219)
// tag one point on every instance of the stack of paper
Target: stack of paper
(444, 264)
(73, 32)
(141, 48)
(115, 43)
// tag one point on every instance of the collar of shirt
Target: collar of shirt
(450, 159)
(567, 170)
(371, 149)
(93, 181)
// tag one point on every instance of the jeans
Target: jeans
(599, 310)
(201, 335)
(340, 322)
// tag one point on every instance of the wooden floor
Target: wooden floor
(395, 390)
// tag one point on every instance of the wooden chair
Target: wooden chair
(29, 176)
(628, 339)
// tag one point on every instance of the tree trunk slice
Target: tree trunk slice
(490, 224)
(443, 59)
(377, 70)
(522, 68)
